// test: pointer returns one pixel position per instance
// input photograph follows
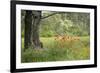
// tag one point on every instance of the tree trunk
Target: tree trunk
(31, 34)
(27, 31)
(36, 18)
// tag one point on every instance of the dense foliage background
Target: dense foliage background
(63, 23)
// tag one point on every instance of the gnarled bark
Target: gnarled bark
(36, 18)
(27, 31)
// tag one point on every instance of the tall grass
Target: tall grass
(58, 51)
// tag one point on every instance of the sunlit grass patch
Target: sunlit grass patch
(54, 50)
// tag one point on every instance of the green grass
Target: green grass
(58, 51)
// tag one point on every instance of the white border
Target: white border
(20, 65)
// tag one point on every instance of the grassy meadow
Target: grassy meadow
(55, 50)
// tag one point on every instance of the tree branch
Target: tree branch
(49, 15)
